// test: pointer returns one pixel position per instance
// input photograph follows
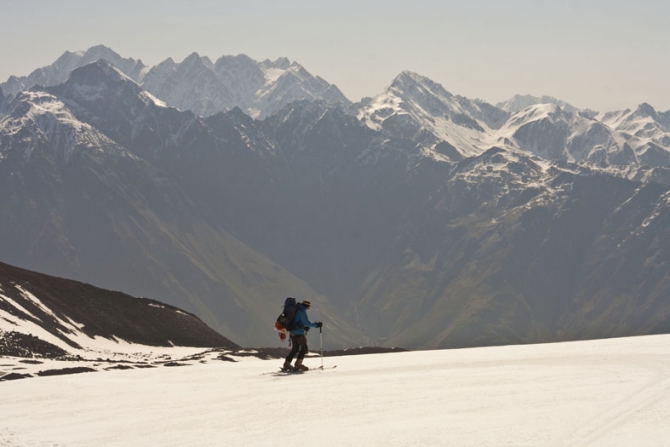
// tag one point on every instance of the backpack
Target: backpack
(285, 320)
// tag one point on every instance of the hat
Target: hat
(306, 303)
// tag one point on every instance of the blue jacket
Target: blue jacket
(301, 321)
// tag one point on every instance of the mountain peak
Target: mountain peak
(192, 57)
(240, 59)
(167, 63)
(97, 85)
(195, 60)
(102, 52)
(58, 72)
(646, 110)
(407, 81)
(520, 102)
(236, 115)
(409, 76)
(96, 70)
(48, 120)
(282, 62)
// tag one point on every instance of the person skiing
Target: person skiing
(298, 338)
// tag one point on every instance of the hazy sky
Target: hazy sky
(598, 54)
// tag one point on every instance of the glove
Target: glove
(319, 324)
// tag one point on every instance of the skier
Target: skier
(298, 338)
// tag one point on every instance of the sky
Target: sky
(599, 54)
(597, 393)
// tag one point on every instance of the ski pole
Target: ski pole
(321, 339)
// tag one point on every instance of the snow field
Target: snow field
(606, 392)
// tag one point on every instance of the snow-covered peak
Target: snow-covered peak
(168, 63)
(643, 120)
(99, 52)
(644, 131)
(281, 63)
(95, 82)
(408, 76)
(27, 106)
(197, 84)
(39, 120)
(194, 60)
(520, 102)
(100, 67)
(258, 88)
(236, 63)
(646, 110)
(30, 107)
(58, 72)
(549, 131)
(273, 73)
(410, 86)
(511, 168)
(416, 108)
(538, 112)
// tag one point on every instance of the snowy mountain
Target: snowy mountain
(621, 138)
(58, 72)
(519, 102)
(452, 127)
(415, 108)
(259, 89)
(644, 131)
(197, 84)
(550, 132)
(40, 121)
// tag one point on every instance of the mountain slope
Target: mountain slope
(70, 314)
(516, 251)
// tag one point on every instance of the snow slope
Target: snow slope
(606, 392)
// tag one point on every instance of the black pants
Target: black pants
(299, 343)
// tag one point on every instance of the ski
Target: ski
(290, 373)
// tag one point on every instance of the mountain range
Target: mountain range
(198, 84)
(414, 218)
(416, 108)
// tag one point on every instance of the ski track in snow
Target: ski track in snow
(651, 399)
(602, 393)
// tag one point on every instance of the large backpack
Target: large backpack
(287, 318)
